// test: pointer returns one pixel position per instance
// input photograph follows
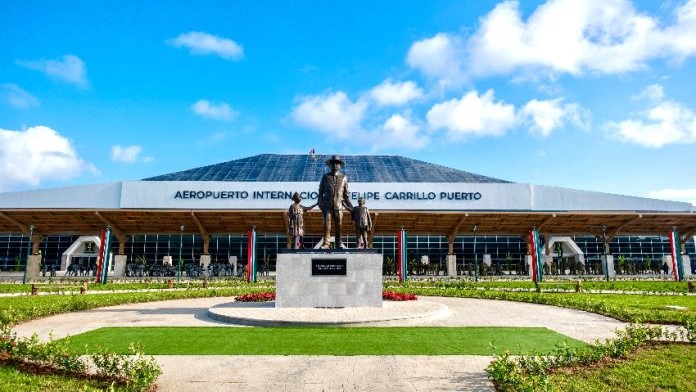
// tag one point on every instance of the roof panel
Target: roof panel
(303, 168)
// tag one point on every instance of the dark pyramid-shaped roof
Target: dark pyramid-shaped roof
(305, 168)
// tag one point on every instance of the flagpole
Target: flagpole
(475, 257)
(26, 265)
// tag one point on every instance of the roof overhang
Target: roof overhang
(149, 207)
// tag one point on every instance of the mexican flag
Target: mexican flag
(675, 246)
(251, 257)
(536, 253)
(402, 255)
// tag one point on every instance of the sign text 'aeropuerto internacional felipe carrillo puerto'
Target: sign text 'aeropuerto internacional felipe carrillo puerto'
(287, 195)
(275, 195)
(412, 196)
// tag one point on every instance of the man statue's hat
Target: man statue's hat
(296, 197)
(333, 159)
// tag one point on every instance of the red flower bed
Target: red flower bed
(393, 296)
(256, 297)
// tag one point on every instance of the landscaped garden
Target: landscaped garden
(613, 365)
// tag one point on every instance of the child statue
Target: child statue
(296, 222)
(363, 223)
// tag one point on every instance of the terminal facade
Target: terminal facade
(205, 213)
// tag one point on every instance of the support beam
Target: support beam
(546, 221)
(453, 233)
(617, 230)
(204, 233)
(455, 230)
(690, 232)
(118, 233)
(22, 227)
(547, 248)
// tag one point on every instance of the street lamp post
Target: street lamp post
(26, 265)
(475, 257)
(181, 245)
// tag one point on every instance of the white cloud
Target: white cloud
(17, 97)
(685, 195)
(200, 43)
(219, 111)
(68, 69)
(36, 154)
(546, 116)
(439, 57)
(389, 93)
(473, 115)
(667, 122)
(128, 154)
(400, 131)
(332, 113)
(654, 92)
(559, 37)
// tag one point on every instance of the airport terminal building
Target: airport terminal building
(204, 215)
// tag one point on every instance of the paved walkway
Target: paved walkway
(328, 373)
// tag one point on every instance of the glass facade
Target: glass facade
(632, 255)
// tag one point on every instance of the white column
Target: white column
(609, 265)
(686, 265)
(205, 262)
(451, 266)
(34, 266)
(233, 261)
(120, 265)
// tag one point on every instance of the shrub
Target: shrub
(529, 372)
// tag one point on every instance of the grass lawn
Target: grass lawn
(323, 341)
(654, 368)
(12, 379)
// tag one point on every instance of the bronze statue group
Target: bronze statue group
(333, 198)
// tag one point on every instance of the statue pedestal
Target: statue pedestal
(318, 279)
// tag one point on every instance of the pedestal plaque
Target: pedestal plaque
(328, 280)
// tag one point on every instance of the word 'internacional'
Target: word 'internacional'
(287, 195)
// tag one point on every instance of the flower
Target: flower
(394, 296)
(257, 297)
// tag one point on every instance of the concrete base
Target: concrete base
(296, 287)
(452, 266)
(233, 261)
(120, 266)
(686, 264)
(528, 263)
(265, 314)
(34, 267)
(609, 265)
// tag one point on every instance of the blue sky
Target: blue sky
(585, 94)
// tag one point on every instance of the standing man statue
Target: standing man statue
(333, 196)
(363, 224)
(296, 221)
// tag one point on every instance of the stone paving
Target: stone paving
(328, 373)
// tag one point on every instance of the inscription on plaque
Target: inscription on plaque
(324, 267)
